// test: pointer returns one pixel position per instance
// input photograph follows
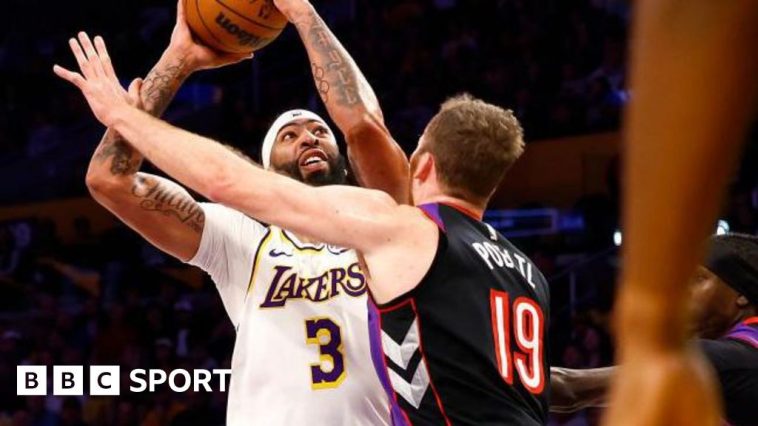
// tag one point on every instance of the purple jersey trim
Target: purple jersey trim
(377, 357)
(744, 333)
(433, 211)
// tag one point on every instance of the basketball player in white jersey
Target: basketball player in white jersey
(427, 264)
(299, 307)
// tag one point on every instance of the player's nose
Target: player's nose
(307, 140)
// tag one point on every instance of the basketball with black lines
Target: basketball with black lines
(234, 26)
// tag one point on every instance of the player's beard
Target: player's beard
(336, 173)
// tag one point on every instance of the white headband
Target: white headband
(281, 121)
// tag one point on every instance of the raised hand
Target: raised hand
(97, 81)
(197, 55)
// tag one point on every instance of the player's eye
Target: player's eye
(320, 131)
(288, 136)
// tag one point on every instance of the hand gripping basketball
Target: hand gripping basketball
(234, 26)
(97, 81)
(197, 55)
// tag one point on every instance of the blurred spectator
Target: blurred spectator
(71, 413)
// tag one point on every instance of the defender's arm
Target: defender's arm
(573, 390)
(340, 215)
(395, 240)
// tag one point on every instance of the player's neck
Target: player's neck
(468, 207)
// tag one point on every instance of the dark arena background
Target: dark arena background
(78, 287)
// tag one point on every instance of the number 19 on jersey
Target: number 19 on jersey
(528, 331)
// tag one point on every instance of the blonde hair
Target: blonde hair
(473, 144)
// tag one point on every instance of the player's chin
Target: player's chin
(700, 327)
(314, 170)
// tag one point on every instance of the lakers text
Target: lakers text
(107, 380)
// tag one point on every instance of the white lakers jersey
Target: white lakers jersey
(302, 352)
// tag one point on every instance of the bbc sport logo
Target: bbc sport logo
(106, 380)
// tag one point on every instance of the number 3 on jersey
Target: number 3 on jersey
(528, 328)
(330, 371)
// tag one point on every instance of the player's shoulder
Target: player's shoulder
(729, 354)
(231, 223)
(217, 209)
(222, 212)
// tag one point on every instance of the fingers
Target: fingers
(180, 11)
(92, 56)
(239, 57)
(105, 58)
(81, 58)
(135, 86)
(72, 77)
(85, 55)
(94, 62)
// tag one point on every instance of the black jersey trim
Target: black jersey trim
(389, 308)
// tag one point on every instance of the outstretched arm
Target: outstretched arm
(339, 215)
(355, 217)
(573, 390)
(375, 157)
(157, 208)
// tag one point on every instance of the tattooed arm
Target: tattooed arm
(160, 210)
(157, 208)
(375, 157)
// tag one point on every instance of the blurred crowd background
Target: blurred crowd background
(110, 298)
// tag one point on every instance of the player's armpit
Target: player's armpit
(161, 211)
(377, 160)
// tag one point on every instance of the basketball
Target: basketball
(234, 26)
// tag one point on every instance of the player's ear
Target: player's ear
(742, 301)
(425, 166)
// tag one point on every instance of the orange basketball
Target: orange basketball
(235, 26)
